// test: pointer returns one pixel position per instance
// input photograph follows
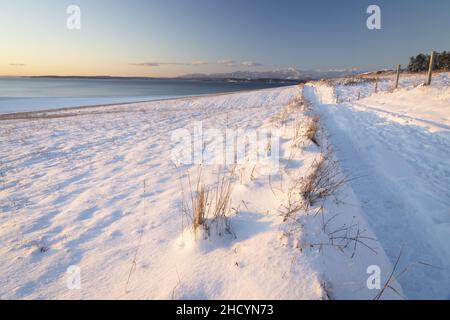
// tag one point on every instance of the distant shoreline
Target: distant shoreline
(28, 94)
(53, 113)
(199, 79)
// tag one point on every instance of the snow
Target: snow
(97, 188)
(74, 185)
(399, 143)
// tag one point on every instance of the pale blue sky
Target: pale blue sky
(118, 37)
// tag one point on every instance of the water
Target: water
(31, 94)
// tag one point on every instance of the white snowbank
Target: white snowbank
(96, 188)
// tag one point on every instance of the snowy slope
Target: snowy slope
(398, 143)
(96, 188)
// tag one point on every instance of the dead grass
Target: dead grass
(306, 129)
(346, 237)
(280, 119)
(307, 125)
(200, 208)
(323, 180)
(312, 129)
(394, 275)
(209, 208)
(389, 282)
(308, 192)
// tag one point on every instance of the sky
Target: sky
(165, 38)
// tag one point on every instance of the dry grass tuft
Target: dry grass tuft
(307, 126)
(200, 208)
(209, 207)
(307, 129)
(312, 129)
(280, 119)
(324, 179)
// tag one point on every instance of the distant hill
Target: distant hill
(278, 74)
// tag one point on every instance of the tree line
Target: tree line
(421, 62)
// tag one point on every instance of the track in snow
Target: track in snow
(403, 187)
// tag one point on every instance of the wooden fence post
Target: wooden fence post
(376, 84)
(398, 76)
(430, 68)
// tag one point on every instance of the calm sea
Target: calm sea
(31, 94)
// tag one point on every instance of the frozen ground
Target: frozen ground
(96, 188)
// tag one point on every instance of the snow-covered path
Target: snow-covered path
(401, 163)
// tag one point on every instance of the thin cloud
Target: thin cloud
(224, 62)
(159, 64)
(199, 63)
(251, 64)
(229, 63)
(233, 63)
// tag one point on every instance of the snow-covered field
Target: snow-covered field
(96, 188)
